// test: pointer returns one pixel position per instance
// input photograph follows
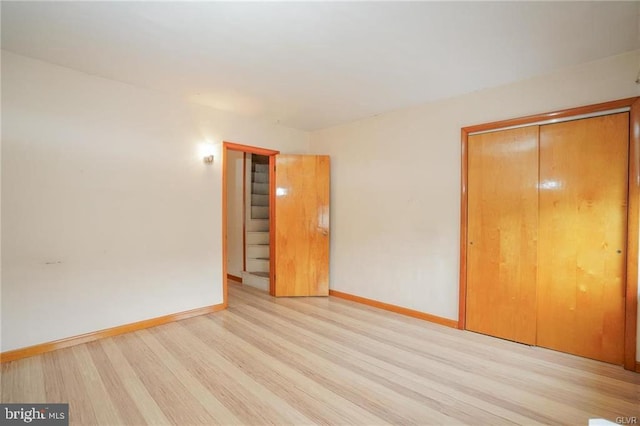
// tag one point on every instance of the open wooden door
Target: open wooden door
(301, 266)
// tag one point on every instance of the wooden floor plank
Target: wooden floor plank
(514, 353)
(191, 382)
(298, 390)
(257, 403)
(493, 365)
(106, 412)
(23, 382)
(318, 361)
(64, 383)
(115, 387)
(347, 353)
(434, 368)
(175, 399)
(146, 405)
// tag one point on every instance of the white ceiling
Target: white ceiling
(314, 65)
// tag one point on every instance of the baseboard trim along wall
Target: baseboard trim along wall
(394, 308)
(101, 334)
(234, 278)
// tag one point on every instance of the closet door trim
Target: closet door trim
(631, 300)
(556, 120)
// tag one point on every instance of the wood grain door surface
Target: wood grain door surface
(547, 224)
(302, 225)
(502, 233)
(583, 221)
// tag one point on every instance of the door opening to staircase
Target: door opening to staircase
(264, 240)
(247, 216)
(256, 222)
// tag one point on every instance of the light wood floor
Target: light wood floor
(318, 360)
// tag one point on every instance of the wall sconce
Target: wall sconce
(206, 150)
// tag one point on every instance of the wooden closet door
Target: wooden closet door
(502, 232)
(583, 215)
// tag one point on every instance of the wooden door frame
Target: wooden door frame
(631, 299)
(246, 149)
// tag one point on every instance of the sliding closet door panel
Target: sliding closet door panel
(502, 233)
(581, 258)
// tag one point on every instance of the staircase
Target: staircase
(257, 228)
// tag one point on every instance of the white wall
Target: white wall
(396, 182)
(109, 215)
(235, 178)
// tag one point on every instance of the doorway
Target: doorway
(255, 220)
(241, 222)
(298, 224)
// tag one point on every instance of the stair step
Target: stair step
(258, 265)
(259, 200)
(257, 237)
(262, 177)
(260, 188)
(258, 280)
(257, 251)
(261, 167)
(257, 225)
(259, 212)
